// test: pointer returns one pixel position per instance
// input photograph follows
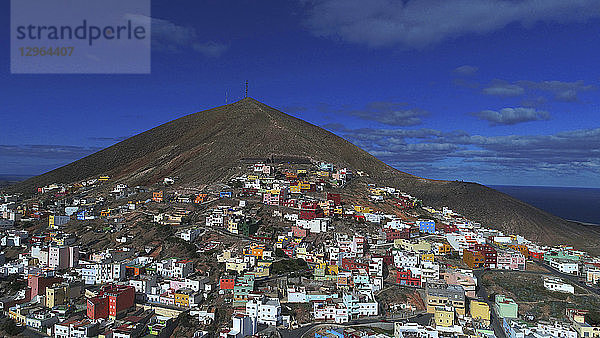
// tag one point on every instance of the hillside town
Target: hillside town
(288, 249)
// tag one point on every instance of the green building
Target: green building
(506, 307)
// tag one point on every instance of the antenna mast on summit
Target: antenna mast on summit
(246, 92)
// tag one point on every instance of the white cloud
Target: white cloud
(420, 23)
(466, 70)
(503, 88)
(172, 38)
(511, 116)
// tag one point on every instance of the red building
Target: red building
(289, 252)
(226, 283)
(97, 307)
(489, 253)
(387, 258)
(392, 234)
(38, 284)
(289, 203)
(405, 203)
(406, 278)
(410, 233)
(111, 300)
(299, 232)
(441, 227)
(335, 198)
(310, 211)
(352, 265)
(536, 254)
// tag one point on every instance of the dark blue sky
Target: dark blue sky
(493, 91)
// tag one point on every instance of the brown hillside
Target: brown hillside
(209, 146)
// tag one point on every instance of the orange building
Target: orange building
(474, 259)
(524, 250)
(200, 198)
(157, 196)
(444, 249)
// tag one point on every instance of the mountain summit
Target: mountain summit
(209, 146)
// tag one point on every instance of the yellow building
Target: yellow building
(359, 208)
(452, 296)
(182, 299)
(376, 191)
(577, 318)
(585, 330)
(413, 246)
(103, 178)
(224, 257)
(262, 271)
(444, 316)
(232, 226)
(19, 316)
(57, 295)
(304, 185)
(323, 173)
(480, 311)
(428, 257)
(443, 249)
(238, 266)
(295, 189)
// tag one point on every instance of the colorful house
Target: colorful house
(406, 278)
(474, 259)
(506, 307)
(157, 196)
(426, 226)
(480, 311)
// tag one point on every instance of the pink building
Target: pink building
(176, 285)
(271, 199)
(299, 232)
(510, 260)
(467, 282)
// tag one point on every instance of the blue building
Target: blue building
(426, 226)
(330, 333)
(326, 166)
(81, 215)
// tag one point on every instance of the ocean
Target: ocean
(577, 204)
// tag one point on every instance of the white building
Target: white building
(556, 330)
(402, 330)
(175, 268)
(556, 284)
(404, 259)
(331, 311)
(190, 235)
(565, 266)
(316, 225)
(266, 310)
(297, 295)
(100, 273)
